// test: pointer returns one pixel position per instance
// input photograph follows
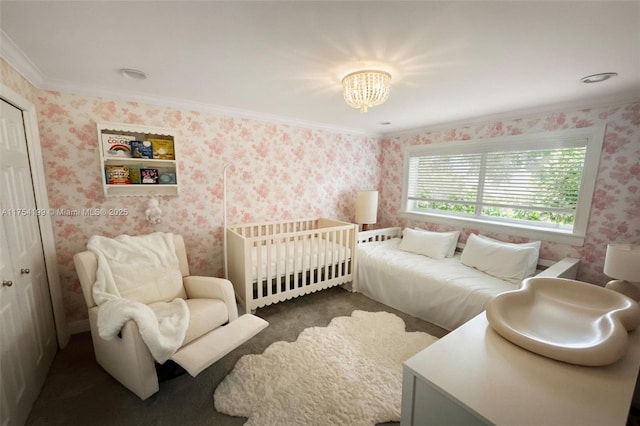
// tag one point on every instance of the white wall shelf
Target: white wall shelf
(120, 159)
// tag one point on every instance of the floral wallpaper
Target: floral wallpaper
(615, 211)
(278, 172)
(281, 171)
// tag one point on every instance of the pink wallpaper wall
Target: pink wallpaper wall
(279, 172)
(615, 213)
(284, 172)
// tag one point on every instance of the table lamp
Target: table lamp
(622, 263)
(366, 209)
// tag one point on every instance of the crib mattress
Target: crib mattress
(296, 256)
(444, 292)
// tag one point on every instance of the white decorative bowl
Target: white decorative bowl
(566, 320)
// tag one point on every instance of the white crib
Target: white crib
(275, 261)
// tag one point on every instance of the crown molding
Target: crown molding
(12, 54)
(524, 114)
(168, 102)
(181, 104)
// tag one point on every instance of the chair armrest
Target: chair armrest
(126, 358)
(212, 288)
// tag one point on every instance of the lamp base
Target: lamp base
(631, 290)
(367, 227)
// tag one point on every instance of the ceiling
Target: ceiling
(283, 61)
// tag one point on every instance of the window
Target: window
(536, 184)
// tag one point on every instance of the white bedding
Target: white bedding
(296, 256)
(444, 292)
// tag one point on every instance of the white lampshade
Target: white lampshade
(622, 262)
(367, 207)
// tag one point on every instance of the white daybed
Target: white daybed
(275, 261)
(444, 292)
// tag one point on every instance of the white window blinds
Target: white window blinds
(537, 185)
(537, 180)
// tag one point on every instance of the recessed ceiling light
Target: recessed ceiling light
(134, 74)
(597, 78)
(384, 123)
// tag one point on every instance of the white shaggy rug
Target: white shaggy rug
(349, 373)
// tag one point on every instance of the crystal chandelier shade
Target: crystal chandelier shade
(365, 89)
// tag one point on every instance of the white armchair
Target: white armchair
(214, 327)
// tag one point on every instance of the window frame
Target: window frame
(591, 137)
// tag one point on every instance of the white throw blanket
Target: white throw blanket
(126, 263)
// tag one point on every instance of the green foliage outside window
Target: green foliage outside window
(537, 186)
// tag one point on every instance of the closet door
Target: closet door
(27, 331)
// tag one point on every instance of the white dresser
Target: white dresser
(473, 376)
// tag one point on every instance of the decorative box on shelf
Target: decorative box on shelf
(137, 160)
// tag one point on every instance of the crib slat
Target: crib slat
(258, 266)
(311, 258)
(349, 266)
(294, 267)
(337, 262)
(318, 265)
(275, 265)
(306, 259)
(291, 241)
(292, 272)
(341, 253)
(314, 257)
(300, 242)
(328, 257)
(328, 254)
(346, 250)
(285, 261)
(278, 270)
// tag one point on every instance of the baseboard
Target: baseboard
(77, 327)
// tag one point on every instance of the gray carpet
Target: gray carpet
(78, 392)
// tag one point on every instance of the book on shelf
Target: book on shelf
(134, 175)
(116, 146)
(163, 149)
(141, 149)
(117, 175)
(149, 176)
(167, 176)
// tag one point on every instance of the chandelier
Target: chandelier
(364, 89)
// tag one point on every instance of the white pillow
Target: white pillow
(453, 239)
(436, 245)
(507, 261)
(535, 244)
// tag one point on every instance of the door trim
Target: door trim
(42, 202)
